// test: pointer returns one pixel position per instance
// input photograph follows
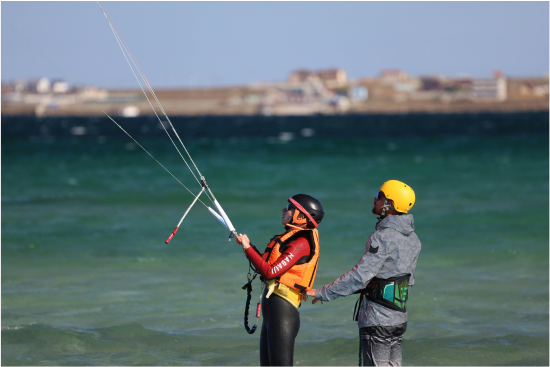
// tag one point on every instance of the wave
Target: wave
(40, 344)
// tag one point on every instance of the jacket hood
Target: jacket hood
(401, 223)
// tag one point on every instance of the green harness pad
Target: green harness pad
(392, 293)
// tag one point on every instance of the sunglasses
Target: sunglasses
(379, 195)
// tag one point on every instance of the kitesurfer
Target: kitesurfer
(288, 267)
(383, 277)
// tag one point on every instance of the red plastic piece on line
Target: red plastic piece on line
(258, 309)
(172, 235)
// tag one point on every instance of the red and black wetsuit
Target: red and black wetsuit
(281, 319)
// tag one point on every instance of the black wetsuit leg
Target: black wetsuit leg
(279, 330)
(382, 345)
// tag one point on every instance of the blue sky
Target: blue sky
(236, 43)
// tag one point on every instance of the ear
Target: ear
(299, 218)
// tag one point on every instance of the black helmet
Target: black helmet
(310, 206)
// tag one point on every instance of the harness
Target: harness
(392, 293)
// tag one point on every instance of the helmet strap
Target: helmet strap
(385, 207)
(290, 225)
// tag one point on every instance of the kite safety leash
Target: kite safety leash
(248, 287)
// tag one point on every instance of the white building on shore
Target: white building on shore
(40, 86)
(490, 89)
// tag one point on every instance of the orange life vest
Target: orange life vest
(302, 275)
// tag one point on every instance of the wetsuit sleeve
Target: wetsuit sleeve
(255, 249)
(360, 275)
(294, 252)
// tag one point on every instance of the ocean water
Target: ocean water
(88, 280)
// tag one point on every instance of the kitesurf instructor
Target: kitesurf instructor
(288, 267)
(383, 276)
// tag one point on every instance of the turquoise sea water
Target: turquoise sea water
(88, 280)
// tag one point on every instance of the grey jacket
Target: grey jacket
(392, 250)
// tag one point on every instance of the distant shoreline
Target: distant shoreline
(248, 101)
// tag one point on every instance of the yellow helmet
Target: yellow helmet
(402, 195)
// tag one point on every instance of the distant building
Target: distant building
(305, 93)
(7, 88)
(460, 83)
(489, 89)
(299, 76)
(40, 86)
(359, 93)
(60, 86)
(498, 74)
(530, 89)
(20, 86)
(408, 87)
(332, 78)
(391, 76)
(541, 90)
(442, 89)
(432, 83)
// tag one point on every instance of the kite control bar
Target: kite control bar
(223, 218)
